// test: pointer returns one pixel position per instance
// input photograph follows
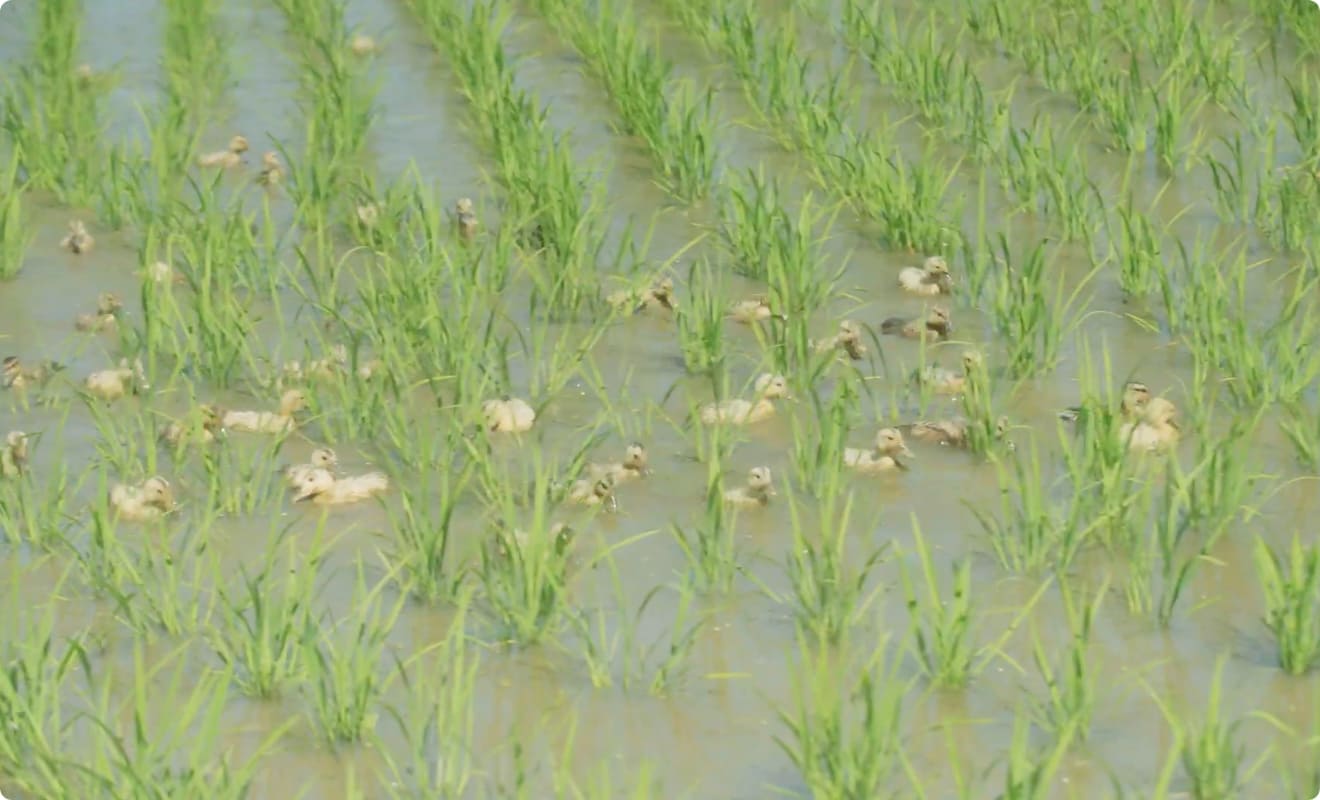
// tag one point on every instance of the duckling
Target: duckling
(658, 295)
(953, 432)
(362, 45)
(78, 240)
(560, 532)
(757, 491)
(508, 415)
(367, 214)
(632, 466)
(323, 488)
(321, 458)
(107, 307)
(945, 381)
(206, 422)
(1157, 429)
(291, 402)
(889, 445)
(161, 273)
(466, 218)
(589, 492)
(272, 171)
(228, 158)
(757, 309)
(13, 459)
(1135, 397)
(151, 499)
(16, 375)
(745, 412)
(935, 325)
(848, 339)
(112, 384)
(928, 280)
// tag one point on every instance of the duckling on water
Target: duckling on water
(658, 295)
(362, 45)
(206, 422)
(745, 412)
(848, 339)
(228, 158)
(291, 402)
(928, 280)
(1131, 408)
(1157, 429)
(889, 445)
(466, 218)
(756, 309)
(78, 240)
(946, 381)
(108, 306)
(151, 499)
(589, 492)
(321, 458)
(16, 375)
(14, 458)
(272, 171)
(323, 488)
(755, 493)
(953, 432)
(934, 326)
(114, 383)
(508, 415)
(632, 467)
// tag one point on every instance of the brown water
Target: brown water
(713, 735)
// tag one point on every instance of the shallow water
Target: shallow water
(535, 712)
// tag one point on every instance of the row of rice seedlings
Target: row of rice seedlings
(674, 122)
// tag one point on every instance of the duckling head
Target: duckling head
(936, 265)
(156, 492)
(108, 303)
(663, 292)
(759, 480)
(463, 207)
(292, 401)
(938, 319)
(17, 443)
(1136, 396)
(323, 458)
(313, 483)
(634, 458)
(850, 331)
(271, 160)
(12, 365)
(238, 144)
(972, 361)
(889, 441)
(770, 386)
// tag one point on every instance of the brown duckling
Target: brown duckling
(323, 488)
(632, 467)
(14, 374)
(945, 381)
(108, 306)
(1156, 430)
(935, 325)
(883, 457)
(78, 240)
(272, 171)
(14, 457)
(114, 383)
(737, 411)
(466, 218)
(930, 279)
(206, 422)
(756, 309)
(755, 493)
(589, 492)
(151, 499)
(952, 432)
(848, 339)
(228, 158)
(658, 295)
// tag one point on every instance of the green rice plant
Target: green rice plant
(194, 56)
(1030, 775)
(1291, 585)
(1173, 105)
(1211, 752)
(1220, 483)
(709, 545)
(1302, 427)
(844, 732)
(1136, 248)
(343, 680)
(1049, 179)
(242, 480)
(941, 629)
(1070, 682)
(818, 439)
(172, 596)
(15, 233)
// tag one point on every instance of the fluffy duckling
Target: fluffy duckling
(934, 326)
(928, 280)
(508, 415)
(848, 339)
(952, 432)
(14, 374)
(228, 158)
(658, 295)
(367, 215)
(946, 381)
(889, 445)
(161, 273)
(14, 458)
(272, 171)
(755, 493)
(321, 458)
(291, 402)
(745, 412)
(561, 533)
(1157, 429)
(114, 383)
(757, 309)
(1130, 409)
(206, 422)
(107, 307)
(466, 218)
(78, 240)
(362, 45)
(323, 488)
(149, 500)
(589, 492)
(632, 466)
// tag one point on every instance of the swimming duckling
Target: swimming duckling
(291, 402)
(466, 218)
(889, 445)
(945, 381)
(321, 458)
(934, 326)
(1157, 429)
(272, 171)
(78, 240)
(928, 280)
(362, 45)
(508, 415)
(658, 295)
(848, 339)
(367, 215)
(13, 459)
(323, 488)
(112, 384)
(1135, 397)
(757, 491)
(745, 412)
(151, 499)
(632, 466)
(757, 309)
(589, 492)
(228, 158)
(107, 306)
(953, 432)
(16, 375)
(206, 422)
(503, 542)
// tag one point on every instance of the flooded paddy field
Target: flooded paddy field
(693, 399)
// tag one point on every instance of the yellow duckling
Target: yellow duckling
(658, 295)
(78, 240)
(1157, 429)
(848, 339)
(17, 375)
(561, 533)
(107, 308)
(508, 415)
(161, 273)
(321, 458)
(272, 171)
(14, 458)
(745, 412)
(928, 280)
(945, 381)
(934, 326)
(206, 423)
(151, 499)
(952, 432)
(362, 45)
(757, 309)
(889, 445)
(323, 488)
(367, 214)
(114, 383)
(228, 158)
(632, 466)
(755, 493)
(594, 492)
(281, 421)
(466, 218)
(1130, 409)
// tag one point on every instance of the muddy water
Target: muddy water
(713, 735)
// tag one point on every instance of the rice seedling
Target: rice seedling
(1211, 752)
(420, 555)
(709, 544)
(1069, 700)
(1291, 584)
(1030, 775)
(941, 630)
(15, 235)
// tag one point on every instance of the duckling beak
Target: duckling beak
(907, 452)
(303, 495)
